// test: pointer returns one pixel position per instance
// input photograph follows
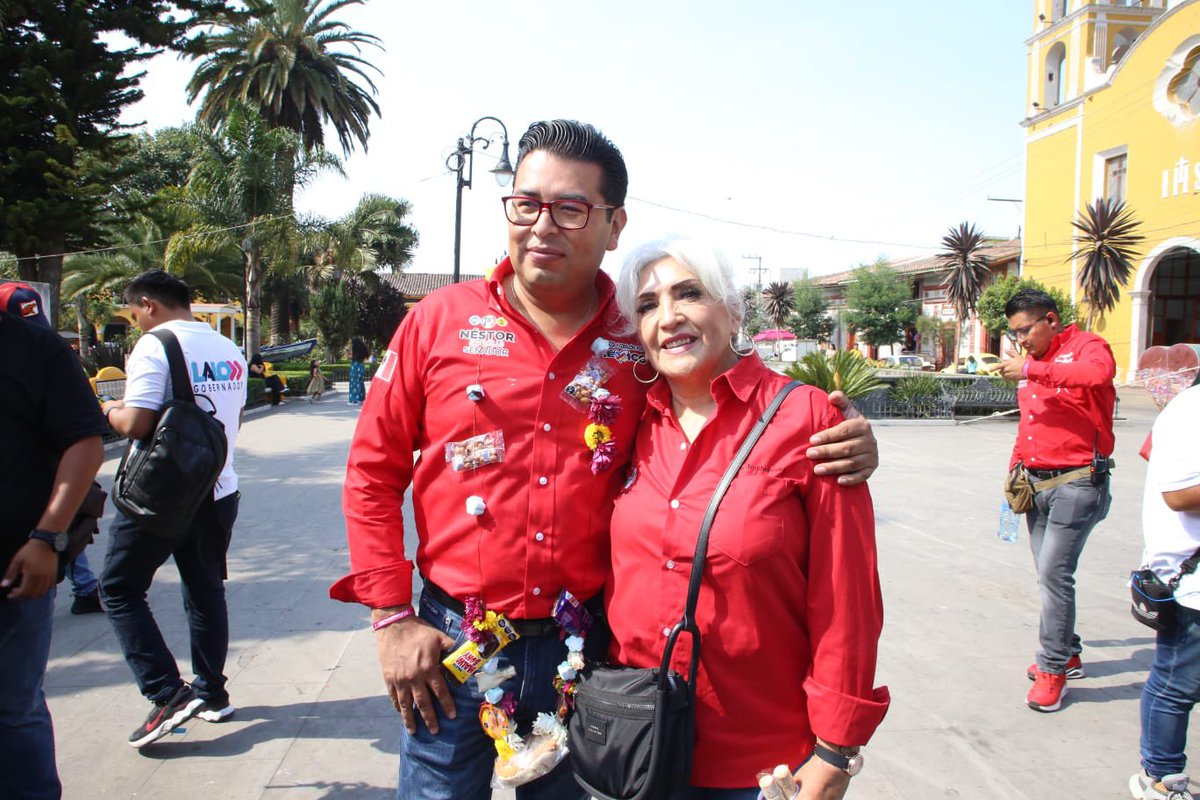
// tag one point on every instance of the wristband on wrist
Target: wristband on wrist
(392, 619)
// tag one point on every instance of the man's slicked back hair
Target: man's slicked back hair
(579, 141)
(1030, 300)
(161, 286)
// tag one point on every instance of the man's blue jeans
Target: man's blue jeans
(1170, 692)
(457, 762)
(1059, 524)
(27, 768)
(133, 559)
(83, 580)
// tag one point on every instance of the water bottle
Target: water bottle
(1008, 523)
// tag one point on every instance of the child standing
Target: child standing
(316, 383)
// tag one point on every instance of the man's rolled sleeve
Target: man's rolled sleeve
(844, 719)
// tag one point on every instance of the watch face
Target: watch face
(855, 765)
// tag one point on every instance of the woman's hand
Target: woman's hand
(851, 445)
(820, 780)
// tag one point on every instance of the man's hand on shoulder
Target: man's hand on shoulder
(410, 655)
(32, 571)
(848, 450)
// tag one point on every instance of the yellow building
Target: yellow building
(1114, 112)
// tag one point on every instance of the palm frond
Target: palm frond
(966, 268)
(1105, 243)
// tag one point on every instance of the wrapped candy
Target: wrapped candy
(467, 659)
(476, 506)
(475, 393)
(599, 346)
(534, 756)
(571, 615)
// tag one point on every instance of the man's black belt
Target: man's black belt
(1054, 473)
(534, 628)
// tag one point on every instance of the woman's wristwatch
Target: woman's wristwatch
(848, 759)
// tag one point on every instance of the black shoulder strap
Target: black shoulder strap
(1186, 568)
(181, 387)
(688, 623)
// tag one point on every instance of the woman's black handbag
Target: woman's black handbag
(633, 731)
(163, 480)
(1154, 601)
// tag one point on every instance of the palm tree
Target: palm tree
(779, 302)
(283, 60)
(240, 191)
(967, 270)
(1105, 242)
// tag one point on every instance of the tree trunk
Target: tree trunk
(279, 321)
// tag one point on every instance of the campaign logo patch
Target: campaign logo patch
(388, 367)
(1065, 358)
(623, 353)
(487, 341)
(487, 321)
(217, 375)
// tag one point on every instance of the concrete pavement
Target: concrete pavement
(961, 627)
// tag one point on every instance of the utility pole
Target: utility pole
(758, 271)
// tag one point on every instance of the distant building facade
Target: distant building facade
(1114, 112)
(927, 277)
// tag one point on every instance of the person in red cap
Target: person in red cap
(22, 300)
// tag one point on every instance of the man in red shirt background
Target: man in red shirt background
(512, 494)
(1065, 396)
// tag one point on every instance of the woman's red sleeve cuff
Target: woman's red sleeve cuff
(845, 719)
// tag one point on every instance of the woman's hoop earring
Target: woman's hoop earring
(637, 377)
(733, 345)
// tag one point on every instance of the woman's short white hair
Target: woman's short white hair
(708, 264)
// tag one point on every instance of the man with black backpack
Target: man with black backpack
(217, 371)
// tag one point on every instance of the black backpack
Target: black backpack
(164, 479)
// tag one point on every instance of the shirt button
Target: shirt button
(1030, 438)
(543, 480)
(546, 427)
(536, 591)
(674, 504)
(666, 631)
(683, 445)
(1035, 397)
(539, 536)
(670, 564)
(550, 375)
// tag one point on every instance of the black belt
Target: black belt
(534, 628)
(1053, 473)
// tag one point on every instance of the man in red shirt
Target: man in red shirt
(491, 381)
(1066, 396)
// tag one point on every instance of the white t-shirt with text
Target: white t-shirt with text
(1173, 536)
(217, 372)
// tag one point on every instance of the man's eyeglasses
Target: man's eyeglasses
(1015, 334)
(570, 215)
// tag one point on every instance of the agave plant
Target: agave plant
(846, 371)
(966, 269)
(1105, 243)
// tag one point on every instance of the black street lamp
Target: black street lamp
(463, 158)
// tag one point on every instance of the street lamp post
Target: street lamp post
(463, 160)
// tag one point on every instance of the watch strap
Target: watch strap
(831, 757)
(56, 540)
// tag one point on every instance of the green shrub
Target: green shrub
(845, 371)
(916, 386)
(256, 394)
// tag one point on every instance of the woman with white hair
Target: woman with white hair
(789, 610)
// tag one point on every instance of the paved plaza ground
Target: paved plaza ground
(960, 629)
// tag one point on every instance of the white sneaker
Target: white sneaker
(1169, 787)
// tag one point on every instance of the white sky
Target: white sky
(876, 120)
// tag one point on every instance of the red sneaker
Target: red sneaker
(1074, 669)
(1048, 692)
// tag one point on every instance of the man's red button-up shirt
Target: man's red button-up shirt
(545, 526)
(1066, 403)
(789, 610)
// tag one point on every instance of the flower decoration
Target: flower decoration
(602, 456)
(604, 407)
(595, 435)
